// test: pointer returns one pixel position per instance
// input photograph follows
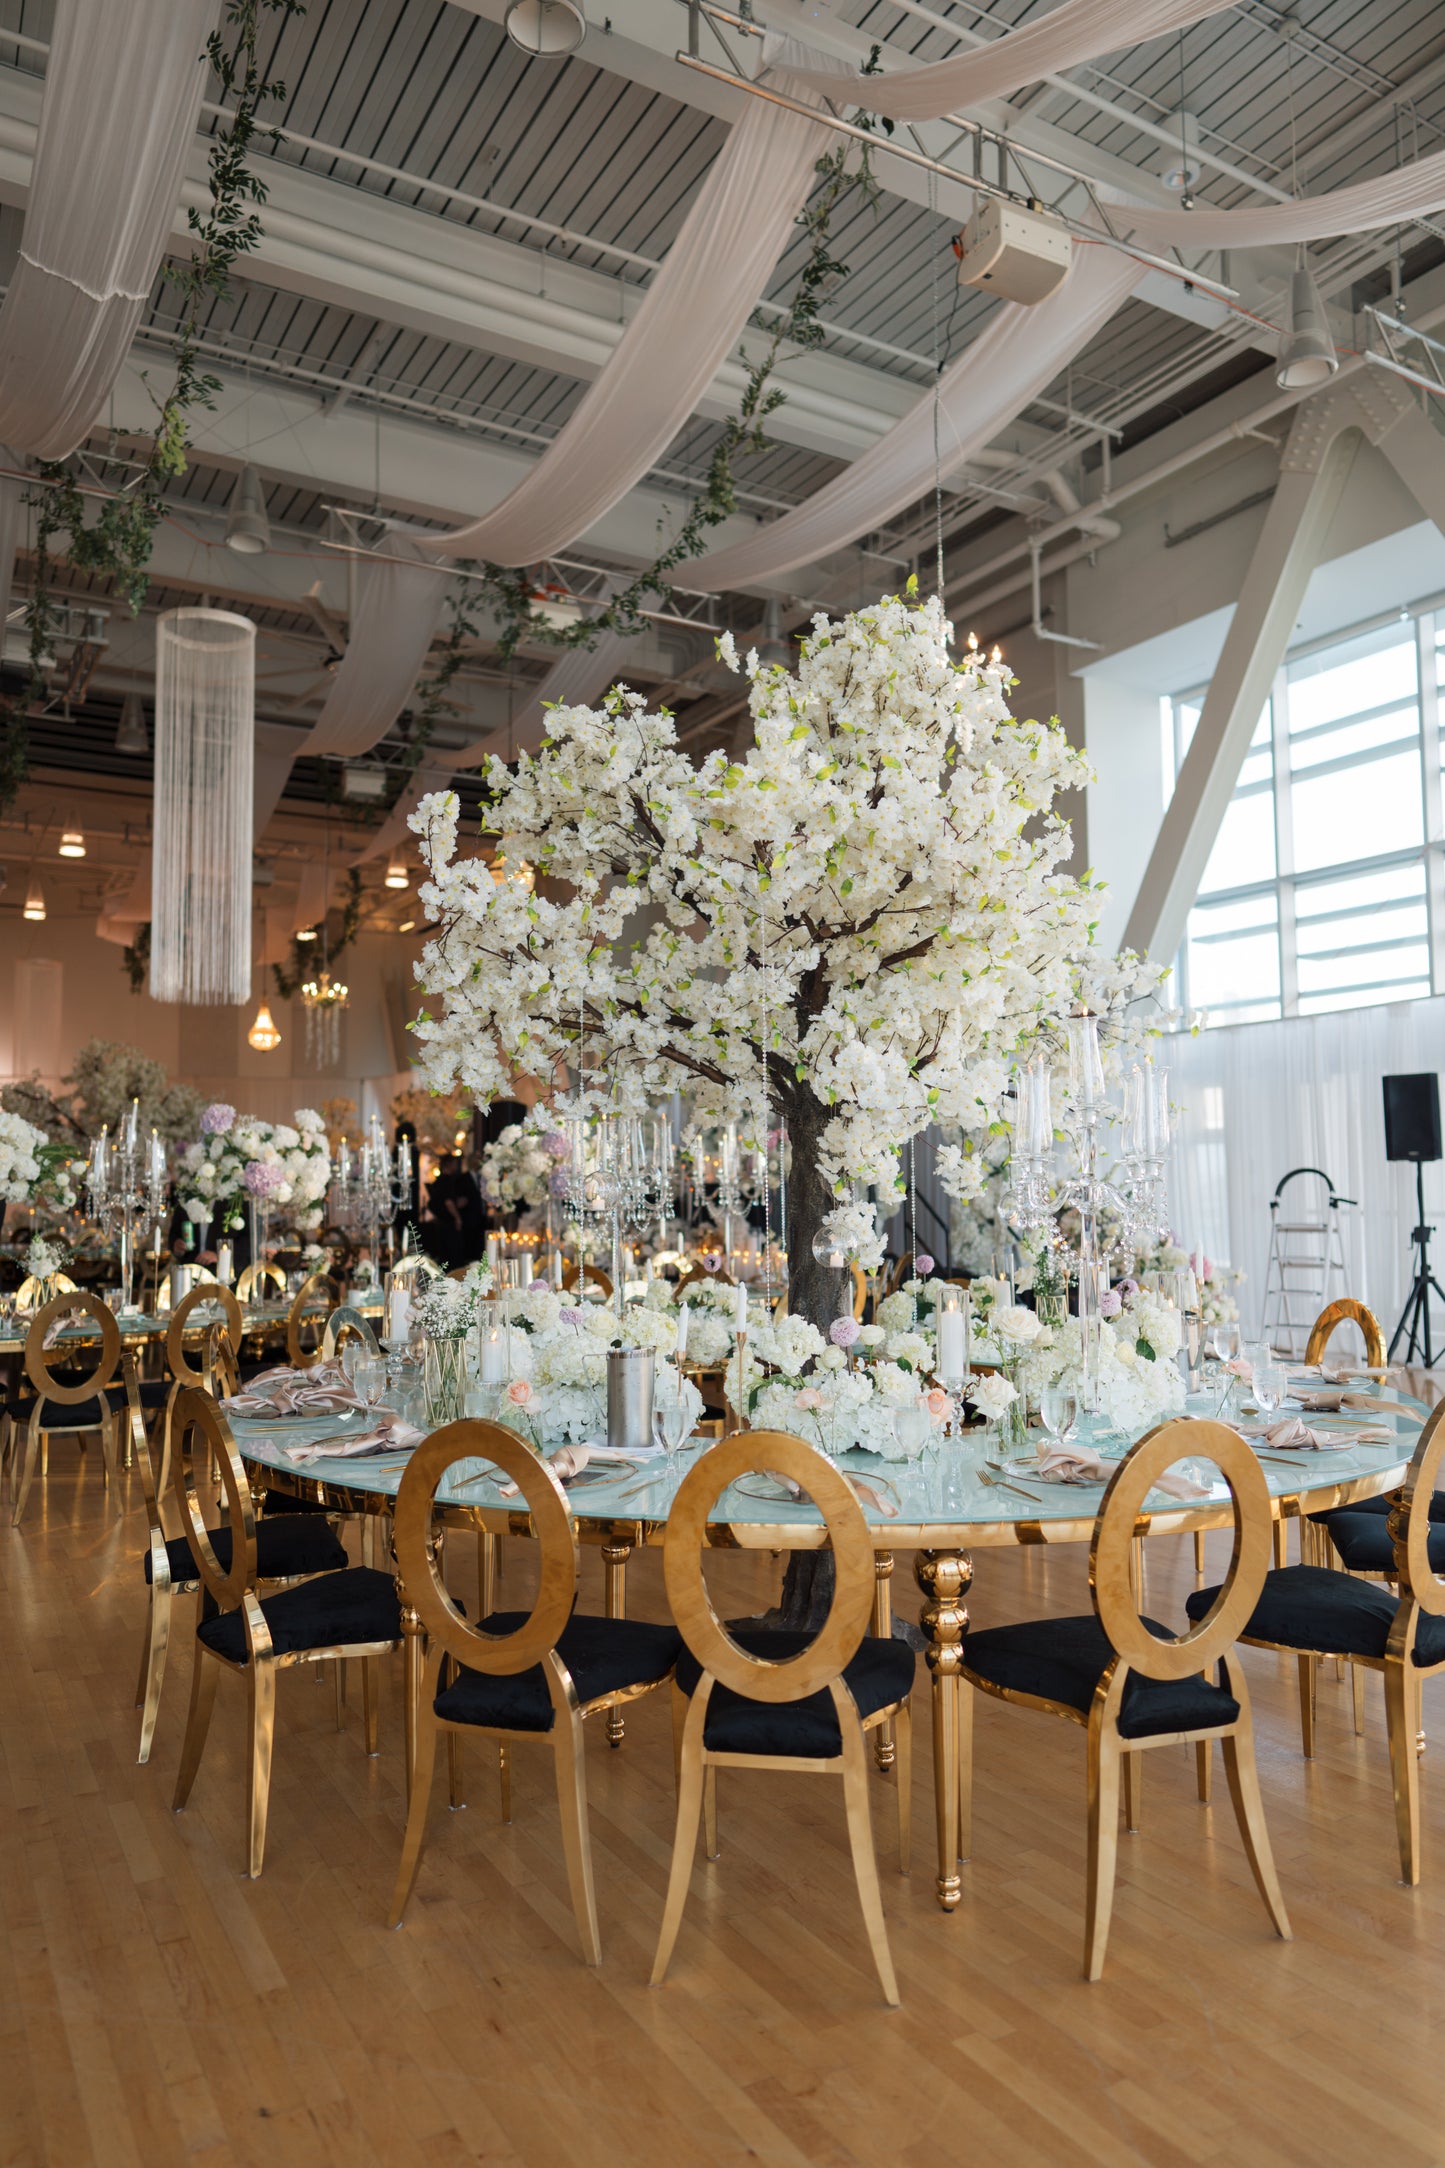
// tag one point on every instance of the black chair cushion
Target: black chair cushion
(1063, 1659)
(604, 1655)
(877, 1676)
(86, 1414)
(284, 1548)
(1363, 1541)
(1380, 1507)
(1313, 1607)
(277, 1502)
(337, 1610)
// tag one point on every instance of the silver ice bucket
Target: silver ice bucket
(629, 1397)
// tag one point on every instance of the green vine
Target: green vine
(117, 543)
(289, 977)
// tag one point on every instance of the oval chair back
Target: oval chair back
(30, 1289)
(818, 1668)
(592, 1273)
(1422, 1597)
(346, 1323)
(306, 1303)
(1346, 1311)
(256, 1279)
(208, 1295)
(697, 1272)
(48, 1391)
(202, 1437)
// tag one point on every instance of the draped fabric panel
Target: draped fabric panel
(1014, 357)
(122, 96)
(690, 318)
(399, 601)
(1390, 199)
(276, 748)
(1259, 1099)
(1079, 30)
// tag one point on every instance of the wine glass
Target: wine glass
(368, 1375)
(671, 1420)
(1059, 1408)
(1269, 1387)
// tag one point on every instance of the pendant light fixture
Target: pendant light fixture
(34, 900)
(205, 738)
(72, 843)
(248, 530)
(1307, 357)
(263, 1034)
(397, 875)
(131, 734)
(547, 29)
(306, 933)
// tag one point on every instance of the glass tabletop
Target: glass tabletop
(953, 1487)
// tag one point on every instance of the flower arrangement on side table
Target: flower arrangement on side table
(32, 1169)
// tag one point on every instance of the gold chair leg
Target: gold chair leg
(1402, 1721)
(964, 1704)
(1103, 1842)
(204, 1674)
(262, 1682)
(1199, 1554)
(684, 1840)
(1133, 1786)
(504, 1771)
(883, 1749)
(1307, 1668)
(34, 1446)
(153, 1666)
(1281, 1542)
(486, 1572)
(903, 1766)
(423, 1769)
(1357, 1697)
(339, 1677)
(576, 1845)
(108, 1457)
(679, 1723)
(865, 1859)
(709, 1811)
(1203, 1766)
(614, 1604)
(1243, 1780)
(369, 1706)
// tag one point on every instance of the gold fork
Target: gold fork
(1001, 1482)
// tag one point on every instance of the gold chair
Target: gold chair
(593, 1274)
(346, 1323)
(1313, 1612)
(1132, 1684)
(256, 1279)
(1347, 1310)
(289, 1548)
(699, 1273)
(90, 1400)
(31, 1289)
(219, 1371)
(306, 1304)
(774, 1700)
(331, 1616)
(522, 1676)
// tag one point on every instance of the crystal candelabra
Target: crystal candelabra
(618, 1174)
(126, 1187)
(369, 1186)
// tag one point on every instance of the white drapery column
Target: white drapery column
(122, 96)
(399, 598)
(205, 755)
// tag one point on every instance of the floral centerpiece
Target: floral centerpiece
(44, 1262)
(558, 1358)
(239, 1158)
(1138, 1338)
(518, 1165)
(448, 1310)
(32, 1169)
(856, 925)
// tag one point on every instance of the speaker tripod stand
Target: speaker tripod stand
(1416, 1313)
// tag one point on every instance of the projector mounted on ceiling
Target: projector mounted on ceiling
(1010, 250)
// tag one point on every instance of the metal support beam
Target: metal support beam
(1316, 466)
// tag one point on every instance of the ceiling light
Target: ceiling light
(547, 29)
(408, 925)
(1308, 356)
(247, 528)
(397, 875)
(34, 900)
(263, 1034)
(72, 844)
(132, 735)
(306, 933)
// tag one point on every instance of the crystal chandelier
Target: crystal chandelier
(322, 1000)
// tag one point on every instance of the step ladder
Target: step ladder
(1306, 1258)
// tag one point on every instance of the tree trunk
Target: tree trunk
(820, 1293)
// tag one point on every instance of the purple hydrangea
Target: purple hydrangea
(218, 1116)
(555, 1143)
(843, 1331)
(557, 1184)
(260, 1179)
(570, 1317)
(1111, 1302)
(923, 1264)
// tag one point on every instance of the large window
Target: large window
(1324, 886)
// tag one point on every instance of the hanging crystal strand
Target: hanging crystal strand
(767, 1197)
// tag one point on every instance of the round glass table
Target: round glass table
(942, 1508)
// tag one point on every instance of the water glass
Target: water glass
(1059, 1409)
(368, 1376)
(1269, 1386)
(671, 1421)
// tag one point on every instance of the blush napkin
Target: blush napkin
(325, 1390)
(392, 1436)
(1081, 1464)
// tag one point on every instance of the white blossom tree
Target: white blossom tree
(858, 926)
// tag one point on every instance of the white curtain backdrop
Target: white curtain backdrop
(690, 317)
(122, 95)
(201, 874)
(1079, 30)
(1015, 356)
(1259, 1099)
(1364, 207)
(399, 601)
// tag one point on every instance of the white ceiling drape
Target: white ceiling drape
(122, 96)
(1079, 30)
(1390, 199)
(1013, 358)
(399, 599)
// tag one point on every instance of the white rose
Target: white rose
(1016, 1324)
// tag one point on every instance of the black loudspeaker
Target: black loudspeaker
(1412, 1117)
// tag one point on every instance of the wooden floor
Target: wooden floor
(156, 2007)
